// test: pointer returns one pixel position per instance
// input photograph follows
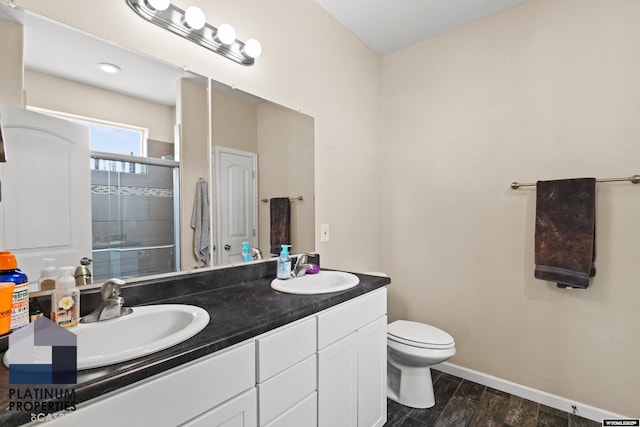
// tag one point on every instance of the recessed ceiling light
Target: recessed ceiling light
(109, 68)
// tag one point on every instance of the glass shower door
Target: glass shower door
(134, 205)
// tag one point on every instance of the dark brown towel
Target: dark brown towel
(565, 231)
(280, 211)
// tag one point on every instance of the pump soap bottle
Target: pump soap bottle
(65, 300)
(283, 271)
(246, 252)
(47, 279)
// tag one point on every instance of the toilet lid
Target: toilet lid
(418, 333)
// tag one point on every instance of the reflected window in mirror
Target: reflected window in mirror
(108, 137)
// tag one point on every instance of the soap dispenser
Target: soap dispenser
(65, 300)
(246, 252)
(283, 271)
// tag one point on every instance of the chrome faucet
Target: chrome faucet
(302, 263)
(112, 304)
(255, 253)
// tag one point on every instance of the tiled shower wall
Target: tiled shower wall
(132, 220)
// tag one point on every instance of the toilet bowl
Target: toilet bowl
(412, 348)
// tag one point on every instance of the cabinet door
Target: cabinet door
(338, 383)
(238, 412)
(372, 374)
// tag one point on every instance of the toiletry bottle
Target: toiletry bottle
(10, 273)
(35, 312)
(246, 252)
(283, 271)
(47, 281)
(65, 300)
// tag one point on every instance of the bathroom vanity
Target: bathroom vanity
(265, 359)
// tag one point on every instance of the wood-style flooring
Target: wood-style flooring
(462, 403)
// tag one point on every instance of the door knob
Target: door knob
(227, 247)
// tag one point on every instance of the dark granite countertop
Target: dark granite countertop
(241, 307)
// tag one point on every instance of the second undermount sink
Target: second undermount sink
(321, 283)
(147, 330)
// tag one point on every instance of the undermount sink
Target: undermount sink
(322, 282)
(147, 330)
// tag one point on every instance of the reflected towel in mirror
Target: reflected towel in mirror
(280, 214)
(200, 222)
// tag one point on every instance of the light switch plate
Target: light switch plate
(324, 232)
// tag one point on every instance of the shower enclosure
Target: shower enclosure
(134, 205)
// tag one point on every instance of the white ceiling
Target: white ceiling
(390, 25)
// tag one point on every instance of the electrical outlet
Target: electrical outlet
(324, 232)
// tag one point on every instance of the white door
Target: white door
(46, 190)
(236, 202)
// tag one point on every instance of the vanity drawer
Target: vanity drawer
(304, 413)
(348, 317)
(284, 390)
(285, 347)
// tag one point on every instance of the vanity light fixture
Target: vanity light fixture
(191, 24)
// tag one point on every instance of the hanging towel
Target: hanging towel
(280, 214)
(200, 222)
(565, 231)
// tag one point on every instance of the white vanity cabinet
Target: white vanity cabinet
(328, 369)
(352, 362)
(218, 390)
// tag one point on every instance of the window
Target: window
(108, 137)
(118, 140)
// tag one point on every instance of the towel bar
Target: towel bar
(291, 199)
(635, 179)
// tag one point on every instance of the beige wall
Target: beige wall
(66, 96)
(285, 169)
(192, 115)
(546, 90)
(11, 68)
(233, 123)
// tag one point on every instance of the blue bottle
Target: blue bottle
(10, 273)
(283, 270)
(246, 252)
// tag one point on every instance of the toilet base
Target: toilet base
(411, 386)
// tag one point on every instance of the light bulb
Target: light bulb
(194, 18)
(158, 4)
(226, 34)
(252, 48)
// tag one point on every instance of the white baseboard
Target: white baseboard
(564, 404)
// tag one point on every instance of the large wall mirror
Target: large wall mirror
(145, 209)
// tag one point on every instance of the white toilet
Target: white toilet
(413, 347)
